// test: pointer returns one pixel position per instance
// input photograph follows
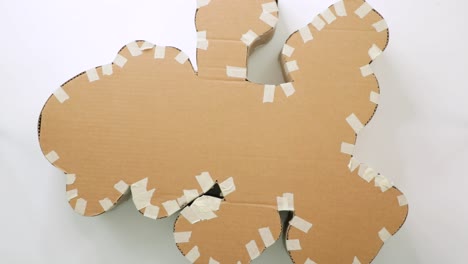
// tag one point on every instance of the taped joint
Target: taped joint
(340, 9)
(52, 157)
(356, 261)
(181, 57)
(120, 61)
(252, 249)
(202, 3)
(236, 72)
(363, 10)
(146, 46)
(267, 236)
(383, 183)
(71, 178)
(355, 123)
(291, 66)
(285, 202)
(384, 235)
(249, 37)
(106, 204)
(300, 224)
(92, 75)
(182, 237)
(269, 19)
(347, 148)
(288, 89)
(171, 207)
(306, 34)
(328, 16)
(160, 52)
(374, 52)
(193, 254)
(107, 69)
(213, 261)
(140, 195)
(318, 23)
(134, 49)
(202, 42)
(293, 245)
(121, 187)
(287, 50)
(152, 212)
(72, 194)
(61, 95)
(309, 261)
(228, 186)
(80, 206)
(205, 181)
(374, 97)
(353, 164)
(366, 70)
(270, 7)
(380, 26)
(402, 201)
(269, 93)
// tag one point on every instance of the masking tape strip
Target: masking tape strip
(120, 60)
(236, 72)
(318, 23)
(182, 237)
(287, 50)
(402, 201)
(121, 187)
(181, 57)
(269, 93)
(382, 182)
(286, 202)
(270, 7)
(52, 156)
(228, 186)
(80, 206)
(252, 249)
(291, 66)
(208, 203)
(171, 206)
(328, 16)
(309, 261)
(362, 169)
(300, 224)
(146, 46)
(140, 186)
(380, 26)
(282, 203)
(340, 9)
(202, 3)
(288, 89)
(189, 214)
(384, 234)
(213, 261)
(193, 254)
(106, 204)
(269, 19)
(374, 97)
(151, 211)
(306, 34)
(366, 70)
(353, 164)
(71, 178)
(293, 245)
(202, 42)
(363, 10)
(205, 181)
(355, 123)
(107, 69)
(72, 194)
(374, 52)
(190, 195)
(369, 174)
(134, 49)
(249, 37)
(356, 261)
(61, 95)
(159, 52)
(267, 236)
(142, 200)
(347, 148)
(92, 75)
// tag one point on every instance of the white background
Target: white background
(418, 137)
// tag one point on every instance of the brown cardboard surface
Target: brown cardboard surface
(156, 119)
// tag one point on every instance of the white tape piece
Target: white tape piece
(228, 186)
(213, 261)
(152, 211)
(146, 46)
(71, 178)
(120, 60)
(207, 203)
(287, 50)
(363, 10)
(80, 206)
(249, 37)
(202, 3)
(380, 26)
(306, 34)
(72, 194)
(362, 170)
(356, 261)
(293, 245)
(340, 9)
(107, 69)
(182, 201)
(366, 70)
(291, 66)
(181, 57)
(190, 195)
(267, 236)
(92, 75)
(52, 156)
(286, 202)
(374, 97)
(193, 254)
(121, 187)
(269, 19)
(270, 7)
(382, 182)
(182, 237)
(355, 123)
(205, 181)
(134, 49)
(61, 95)
(300, 224)
(318, 23)
(288, 89)
(309, 261)
(402, 201)
(171, 207)
(252, 249)
(269, 93)
(369, 174)
(189, 214)
(328, 16)
(384, 234)
(236, 72)
(353, 164)
(347, 148)
(202, 42)
(106, 204)
(160, 52)
(374, 52)
(141, 197)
